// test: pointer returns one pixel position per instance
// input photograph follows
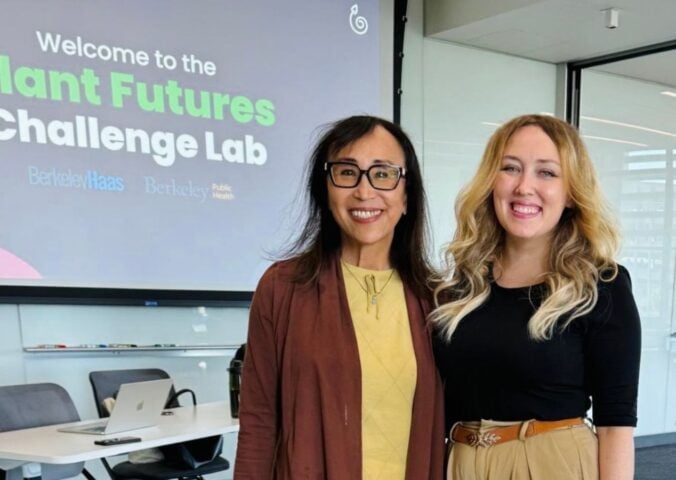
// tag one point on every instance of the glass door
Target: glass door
(627, 116)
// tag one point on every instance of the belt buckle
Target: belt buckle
(483, 439)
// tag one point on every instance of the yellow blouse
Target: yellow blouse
(388, 368)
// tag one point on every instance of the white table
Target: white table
(47, 445)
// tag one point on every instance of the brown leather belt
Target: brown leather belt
(497, 435)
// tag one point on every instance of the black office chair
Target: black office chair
(38, 405)
(106, 384)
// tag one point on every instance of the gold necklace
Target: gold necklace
(370, 288)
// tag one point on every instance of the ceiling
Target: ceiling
(659, 68)
(558, 31)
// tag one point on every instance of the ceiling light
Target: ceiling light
(628, 125)
(668, 93)
(646, 153)
(615, 140)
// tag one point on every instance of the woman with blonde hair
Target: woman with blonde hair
(535, 321)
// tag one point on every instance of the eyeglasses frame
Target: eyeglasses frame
(362, 172)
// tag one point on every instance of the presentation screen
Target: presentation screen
(160, 145)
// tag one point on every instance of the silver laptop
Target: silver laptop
(138, 405)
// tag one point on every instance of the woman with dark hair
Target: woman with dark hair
(339, 379)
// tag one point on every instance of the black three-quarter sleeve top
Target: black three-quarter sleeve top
(493, 370)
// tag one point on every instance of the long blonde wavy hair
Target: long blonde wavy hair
(583, 246)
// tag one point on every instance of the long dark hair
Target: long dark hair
(320, 236)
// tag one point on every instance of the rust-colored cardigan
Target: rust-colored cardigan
(300, 416)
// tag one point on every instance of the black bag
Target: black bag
(235, 371)
(193, 453)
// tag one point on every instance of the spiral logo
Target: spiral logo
(358, 23)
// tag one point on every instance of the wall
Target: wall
(454, 97)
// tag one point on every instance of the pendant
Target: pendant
(374, 299)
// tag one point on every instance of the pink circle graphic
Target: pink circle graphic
(12, 266)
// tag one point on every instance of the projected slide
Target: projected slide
(160, 144)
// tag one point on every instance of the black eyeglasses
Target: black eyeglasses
(380, 175)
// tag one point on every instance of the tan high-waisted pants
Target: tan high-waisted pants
(566, 454)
